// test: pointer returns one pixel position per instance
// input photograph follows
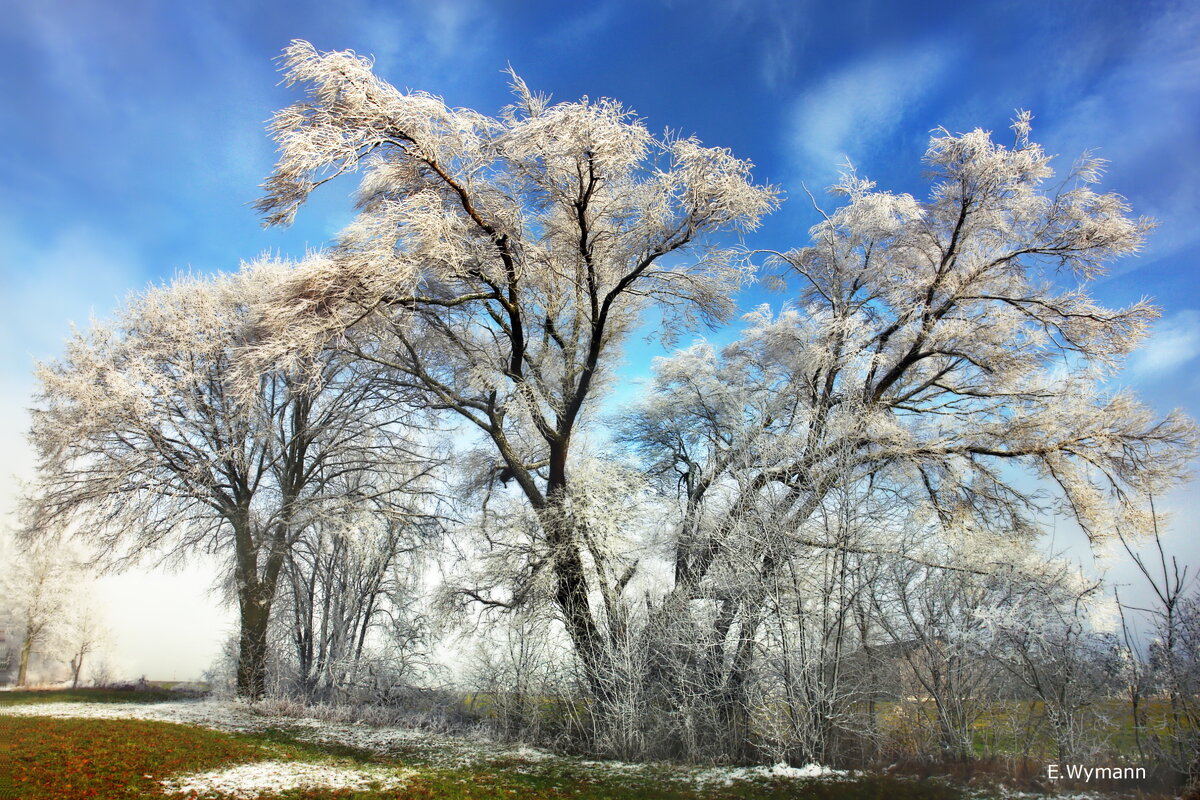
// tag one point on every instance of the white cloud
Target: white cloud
(582, 29)
(849, 113)
(1137, 114)
(1174, 342)
(428, 45)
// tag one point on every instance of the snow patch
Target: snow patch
(251, 780)
(527, 753)
(782, 770)
(727, 775)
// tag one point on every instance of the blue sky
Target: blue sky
(132, 136)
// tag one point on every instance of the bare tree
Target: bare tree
(520, 676)
(1173, 619)
(499, 263)
(930, 614)
(84, 633)
(929, 357)
(1044, 639)
(816, 680)
(359, 575)
(38, 585)
(1181, 665)
(145, 447)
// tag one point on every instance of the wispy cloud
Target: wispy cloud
(582, 28)
(850, 113)
(428, 44)
(1174, 343)
(778, 28)
(782, 33)
(1138, 111)
(780, 54)
(449, 25)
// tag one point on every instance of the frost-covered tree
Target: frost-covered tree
(1178, 666)
(1172, 620)
(37, 586)
(819, 673)
(351, 591)
(932, 355)
(930, 615)
(83, 634)
(1044, 639)
(145, 447)
(498, 264)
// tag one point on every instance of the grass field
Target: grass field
(47, 757)
(62, 758)
(1018, 728)
(25, 697)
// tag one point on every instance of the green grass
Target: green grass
(47, 758)
(26, 696)
(1017, 728)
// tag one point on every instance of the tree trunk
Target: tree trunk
(571, 595)
(256, 593)
(570, 581)
(23, 669)
(252, 648)
(734, 706)
(76, 666)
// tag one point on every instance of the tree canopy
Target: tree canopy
(860, 462)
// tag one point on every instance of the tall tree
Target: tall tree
(498, 263)
(931, 355)
(145, 447)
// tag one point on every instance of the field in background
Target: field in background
(1020, 729)
(151, 695)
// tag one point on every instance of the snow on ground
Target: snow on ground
(437, 749)
(251, 780)
(727, 775)
(418, 746)
(526, 753)
(782, 770)
(422, 747)
(233, 717)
